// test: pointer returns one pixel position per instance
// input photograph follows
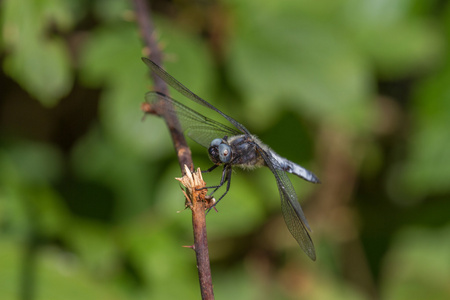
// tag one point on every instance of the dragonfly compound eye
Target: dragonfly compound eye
(224, 153)
(213, 152)
(215, 142)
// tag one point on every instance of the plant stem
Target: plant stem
(152, 50)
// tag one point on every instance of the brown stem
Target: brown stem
(201, 249)
(198, 201)
(152, 50)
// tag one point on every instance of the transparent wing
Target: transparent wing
(198, 127)
(291, 209)
(189, 94)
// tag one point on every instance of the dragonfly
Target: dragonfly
(230, 146)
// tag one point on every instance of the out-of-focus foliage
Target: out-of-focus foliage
(38, 59)
(411, 272)
(426, 171)
(356, 91)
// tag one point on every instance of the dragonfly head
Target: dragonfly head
(219, 151)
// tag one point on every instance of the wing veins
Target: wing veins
(189, 94)
(291, 209)
(198, 127)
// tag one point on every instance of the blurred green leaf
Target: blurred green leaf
(10, 267)
(317, 58)
(125, 82)
(36, 59)
(35, 163)
(97, 159)
(281, 59)
(417, 267)
(157, 252)
(112, 10)
(236, 285)
(401, 43)
(95, 244)
(332, 288)
(62, 276)
(426, 169)
(28, 200)
(240, 212)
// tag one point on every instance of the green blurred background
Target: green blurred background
(356, 91)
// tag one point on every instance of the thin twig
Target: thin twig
(153, 52)
(147, 32)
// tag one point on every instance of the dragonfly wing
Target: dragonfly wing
(198, 127)
(291, 209)
(189, 94)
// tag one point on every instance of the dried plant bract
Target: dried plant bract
(195, 188)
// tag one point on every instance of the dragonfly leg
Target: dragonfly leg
(222, 181)
(210, 169)
(210, 187)
(227, 172)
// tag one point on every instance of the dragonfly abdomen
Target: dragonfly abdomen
(290, 167)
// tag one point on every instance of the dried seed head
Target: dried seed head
(194, 187)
